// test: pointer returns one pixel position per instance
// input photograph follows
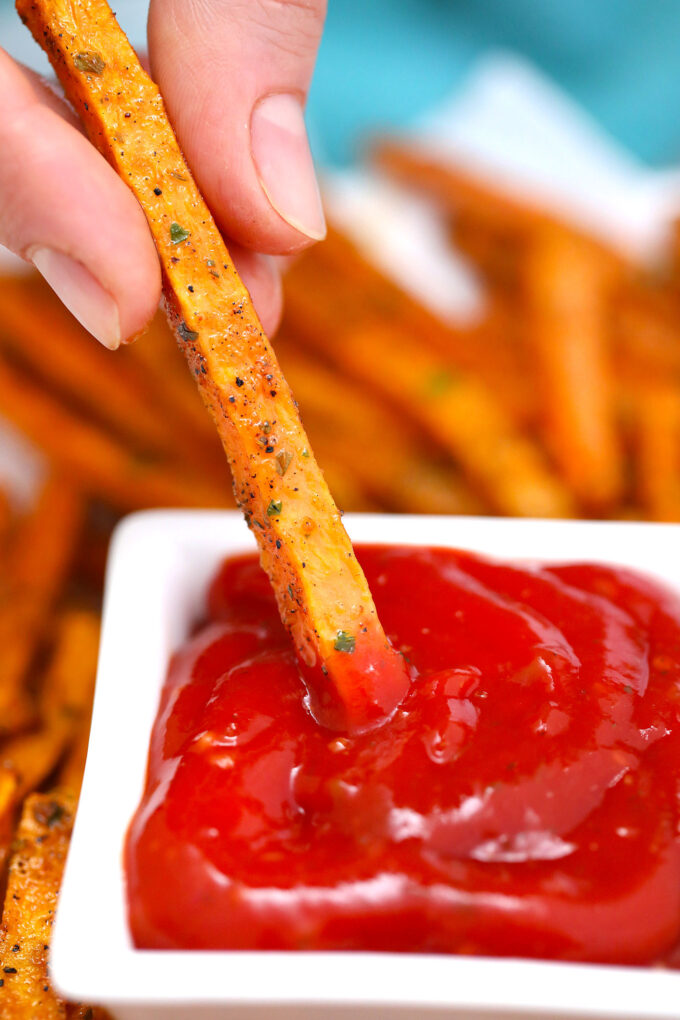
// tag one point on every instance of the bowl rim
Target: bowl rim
(157, 573)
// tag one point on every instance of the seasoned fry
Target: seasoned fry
(35, 872)
(65, 701)
(372, 441)
(656, 427)
(108, 387)
(567, 293)
(484, 348)
(454, 408)
(36, 568)
(8, 802)
(646, 328)
(321, 591)
(66, 357)
(99, 464)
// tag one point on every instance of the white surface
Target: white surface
(160, 564)
(405, 236)
(513, 125)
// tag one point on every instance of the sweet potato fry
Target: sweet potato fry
(65, 356)
(452, 406)
(656, 435)
(568, 287)
(8, 802)
(646, 328)
(65, 702)
(37, 563)
(107, 387)
(373, 442)
(72, 768)
(457, 188)
(99, 464)
(321, 591)
(487, 348)
(35, 872)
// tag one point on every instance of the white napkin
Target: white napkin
(512, 126)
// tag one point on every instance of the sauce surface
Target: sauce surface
(524, 801)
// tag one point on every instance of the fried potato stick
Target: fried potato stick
(452, 406)
(322, 594)
(373, 442)
(568, 287)
(97, 462)
(656, 414)
(487, 347)
(65, 356)
(35, 872)
(65, 703)
(37, 563)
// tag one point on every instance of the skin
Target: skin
(215, 61)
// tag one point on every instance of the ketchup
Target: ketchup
(522, 800)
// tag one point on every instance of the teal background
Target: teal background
(382, 62)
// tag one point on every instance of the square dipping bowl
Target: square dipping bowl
(159, 568)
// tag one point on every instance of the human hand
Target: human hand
(234, 77)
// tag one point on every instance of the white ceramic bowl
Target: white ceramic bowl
(160, 564)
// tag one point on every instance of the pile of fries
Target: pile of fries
(49, 637)
(562, 401)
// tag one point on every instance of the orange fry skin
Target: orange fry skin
(321, 591)
(35, 873)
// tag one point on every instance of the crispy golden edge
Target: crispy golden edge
(65, 700)
(35, 872)
(377, 445)
(453, 406)
(568, 289)
(98, 463)
(37, 564)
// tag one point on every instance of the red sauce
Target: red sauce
(523, 799)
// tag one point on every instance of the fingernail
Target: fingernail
(85, 298)
(284, 163)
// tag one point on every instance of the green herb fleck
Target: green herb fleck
(186, 333)
(439, 382)
(89, 63)
(283, 461)
(274, 508)
(178, 233)
(628, 689)
(49, 813)
(305, 452)
(344, 642)
(266, 427)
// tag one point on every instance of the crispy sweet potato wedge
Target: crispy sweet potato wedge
(65, 701)
(37, 563)
(35, 871)
(356, 677)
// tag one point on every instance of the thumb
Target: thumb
(234, 77)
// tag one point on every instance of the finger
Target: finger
(235, 77)
(64, 208)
